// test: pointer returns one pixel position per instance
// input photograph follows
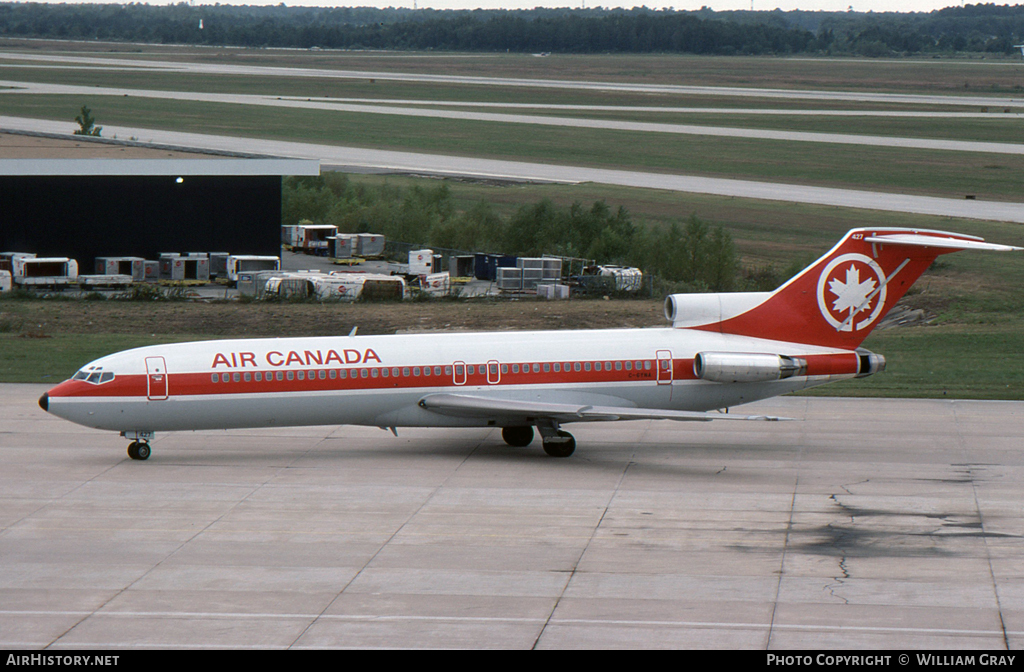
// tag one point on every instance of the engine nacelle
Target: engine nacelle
(692, 310)
(746, 367)
(869, 363)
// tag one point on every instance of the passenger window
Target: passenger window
(321, 374)
(618, 366)
(577, 366)
(405, 372)
(214, 378)
(536, 367)
(248, 377)
(416, 371)
(236, 377)
(586, 366)
(547, 367)
(515, 368)
(437, 370)
(291, 375)
(558, 367)
(280, 376)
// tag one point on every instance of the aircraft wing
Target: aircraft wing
(527, 412)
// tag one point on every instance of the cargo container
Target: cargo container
(486, 265)
(342, 246)
(7, 259)
(461, 266)
(238, 263)
(219, 264)
(152, 271)
(134, 267)
(510, 279)
(540, 270)
(254, 283)
(435, 284)
(44, 271)
(424, 262)
(5, 281)
(336, 286)
(194, 266)
(369, 245)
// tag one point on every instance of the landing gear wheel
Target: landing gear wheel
(138, 450)
(562, 445)
(518, 437)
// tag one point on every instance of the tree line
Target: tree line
(978, 28)
(685, 255)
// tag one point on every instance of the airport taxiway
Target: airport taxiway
(867, 523)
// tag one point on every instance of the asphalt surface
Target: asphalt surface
(867, 524)
(19, 88)
(144, 64)
(357, 159)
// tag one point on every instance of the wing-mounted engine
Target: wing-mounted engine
(746, 367)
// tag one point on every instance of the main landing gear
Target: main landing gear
(557, 443)
(138, 449)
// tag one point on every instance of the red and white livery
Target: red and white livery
(721, 351)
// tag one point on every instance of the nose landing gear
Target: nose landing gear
(138, 449)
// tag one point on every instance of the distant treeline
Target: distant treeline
(685, 255)
(975, 28)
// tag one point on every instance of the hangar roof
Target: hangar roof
(157, 167)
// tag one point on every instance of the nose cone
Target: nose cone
(44, 402)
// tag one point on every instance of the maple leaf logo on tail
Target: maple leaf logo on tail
(851, 292)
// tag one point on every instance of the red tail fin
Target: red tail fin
(838, 300)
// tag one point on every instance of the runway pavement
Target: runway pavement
(12, 59)
(333, 157)
(334, 105)
(866, 524)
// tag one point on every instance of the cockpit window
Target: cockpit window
(95, 375)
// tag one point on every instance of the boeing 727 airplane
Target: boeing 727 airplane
(721, 351)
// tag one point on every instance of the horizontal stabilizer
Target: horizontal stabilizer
(527, 412)
(939, 241)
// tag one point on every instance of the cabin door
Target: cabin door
(664, 373)
(156, 378)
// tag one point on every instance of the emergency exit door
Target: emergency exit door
(156, 378)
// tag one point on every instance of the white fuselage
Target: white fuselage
(379, 380)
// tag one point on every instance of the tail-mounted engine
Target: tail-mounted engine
(746, 367)
(869, 363)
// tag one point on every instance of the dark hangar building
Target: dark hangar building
(87, 208)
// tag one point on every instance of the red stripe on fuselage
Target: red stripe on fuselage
(373, 378)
